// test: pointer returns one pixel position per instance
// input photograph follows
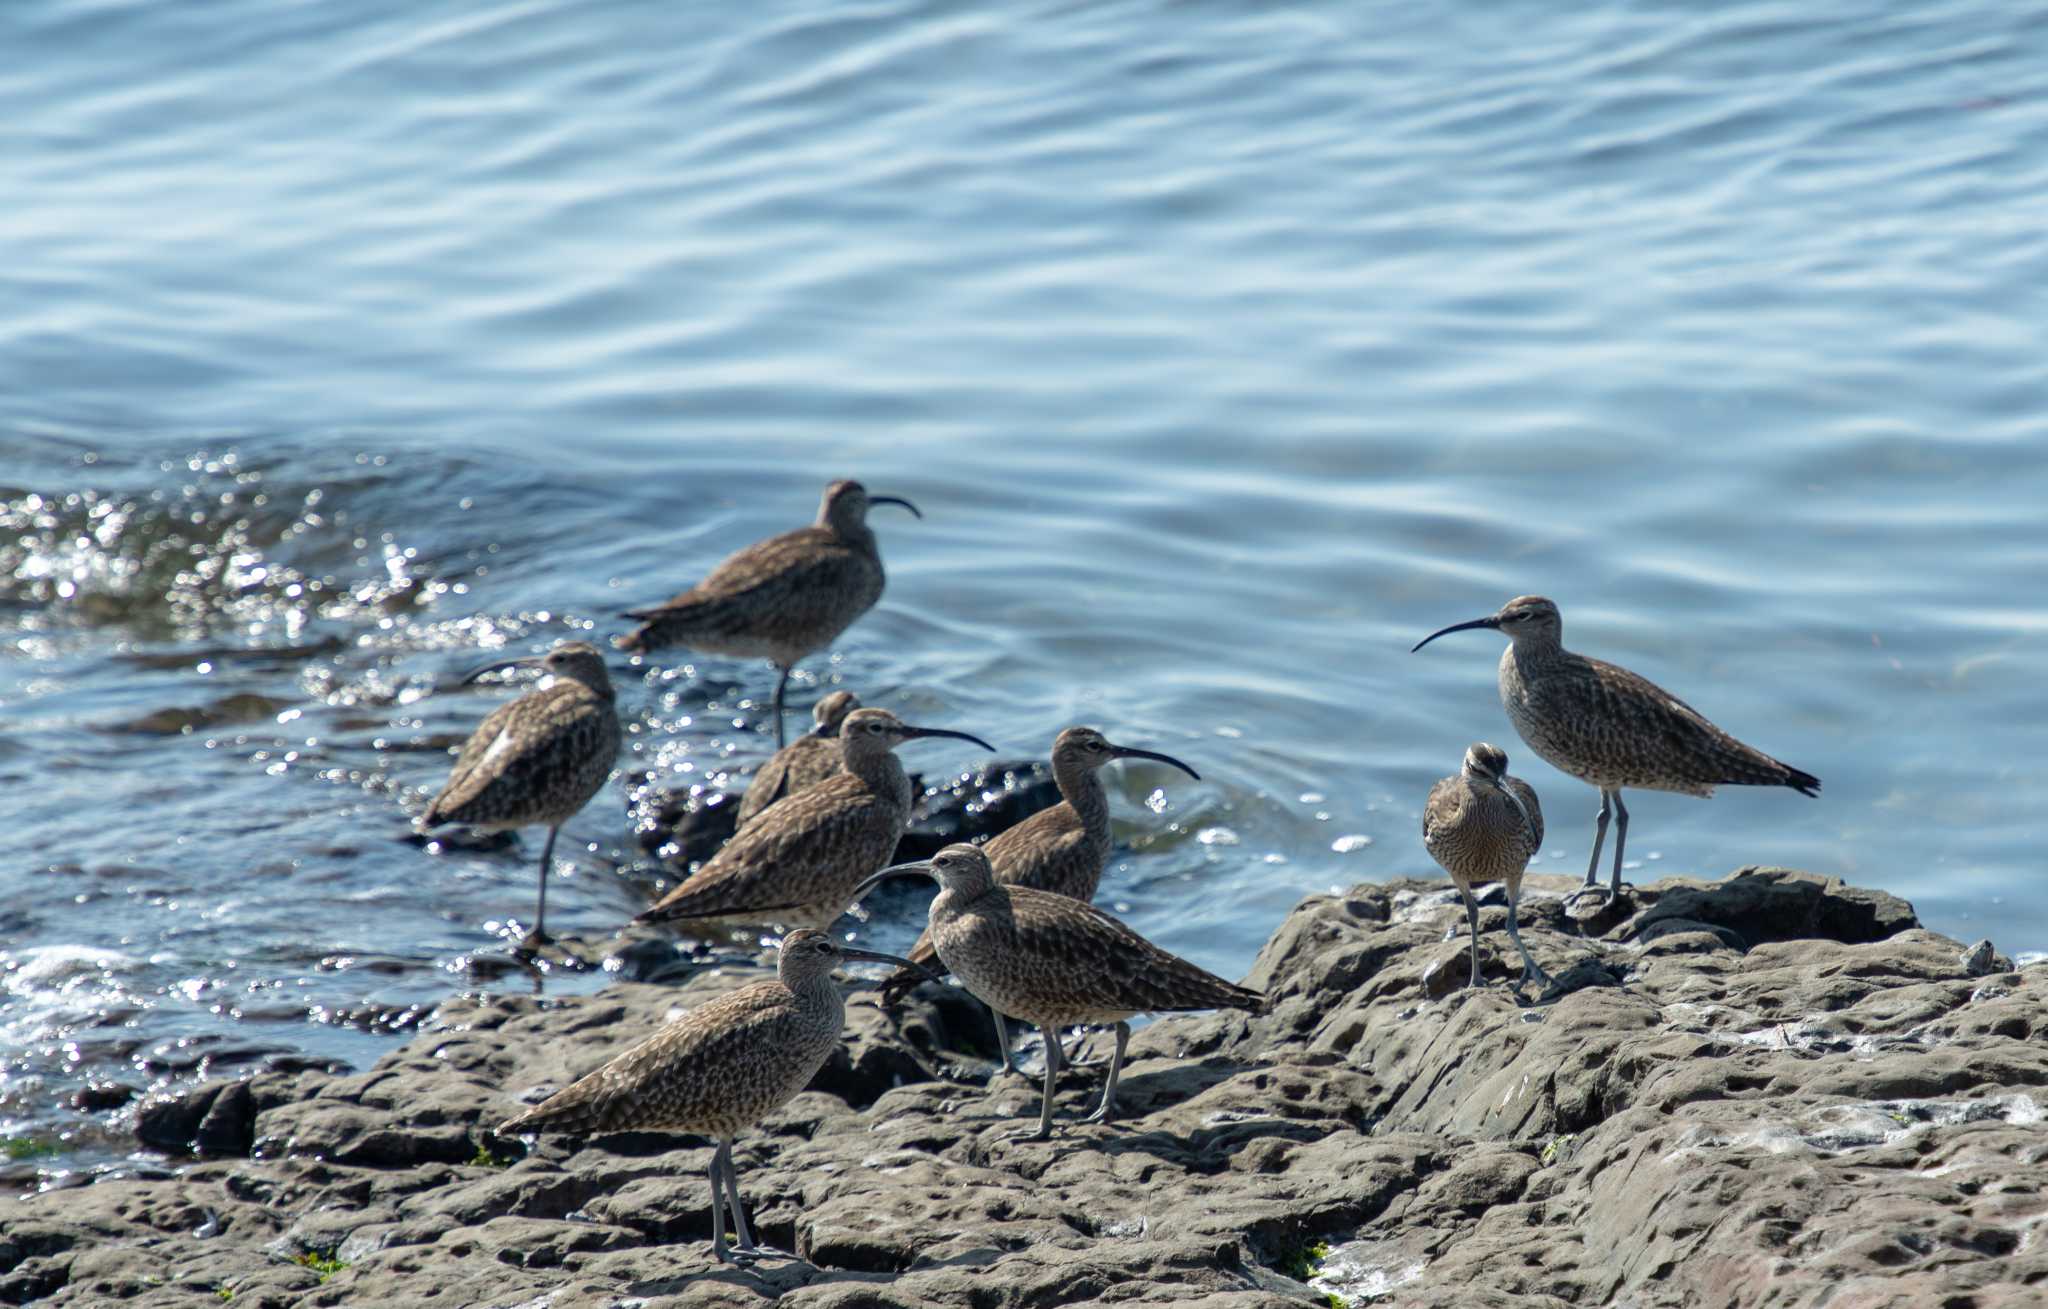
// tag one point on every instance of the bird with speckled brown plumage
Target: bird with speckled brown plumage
(1484, 826)
(1610, 727)
(779, 599)
(1061, 849)
(536, 761)
(717, 1070)
(1055, 962)
(798, 862)
(804, 762)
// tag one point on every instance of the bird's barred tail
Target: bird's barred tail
(1802, 782)
(635, 641)
(570, 1111)
(905, 980)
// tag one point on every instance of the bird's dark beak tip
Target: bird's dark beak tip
(1127, 752)
(1491, 622)
(957, 736)
(499, 665)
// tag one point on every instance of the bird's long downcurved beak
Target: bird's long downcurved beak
(895, 500)
(1490, 621)
(913, 733)
(524, 661)
(1513, 799)
(922, 867)
(848, 952)
(1132, 752)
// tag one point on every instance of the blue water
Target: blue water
(1227, 352)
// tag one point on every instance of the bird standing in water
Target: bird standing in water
(782, 598)
(537, 760)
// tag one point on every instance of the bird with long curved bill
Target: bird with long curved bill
(1056, 962)
(1061, 849)
(798, 862)
(1481, 826)
(804, 762)
(717, 1070)
(779, 599)
(1610, 727)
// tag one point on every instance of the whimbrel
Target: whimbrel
(717, 1070)
(781, 598)
(536, 760)
(1609, 727)
(1061, 849)
(799, 862)
(809, 759)
(1484, 826)
(1057, 962)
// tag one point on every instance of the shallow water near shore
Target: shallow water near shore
(1226, 354)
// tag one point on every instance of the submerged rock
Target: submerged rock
(1710, 1108)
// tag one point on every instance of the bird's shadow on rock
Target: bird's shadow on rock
(1162, 1088)
(1587, 973)
(778, 1275)
(1208, 1149)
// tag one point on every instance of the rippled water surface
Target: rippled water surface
(1228, 349)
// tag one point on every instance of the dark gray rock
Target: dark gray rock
(171, 1122)
(975, 805)
(1762, 904)
(230, 1122)
(1708, 1109)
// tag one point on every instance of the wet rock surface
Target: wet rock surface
(1714, 1107)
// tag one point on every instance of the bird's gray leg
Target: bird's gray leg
(1052, 1072)
(1599, 838)
(539, 935)
(739, 1213)
(1472, 917)
(716, 1171)
(1530, 972)
(1104, 1110)
(781, 686)
(1002, 1040)
(1620, 839)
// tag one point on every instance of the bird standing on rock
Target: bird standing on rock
(806, 761)
(798, 863)
(1060, 849)
(1610, 727)
(717, 1070)
(782, 598)
(536, 760)
(1056, 962)
(1484, 826)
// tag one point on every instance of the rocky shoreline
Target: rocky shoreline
(1774, 1089)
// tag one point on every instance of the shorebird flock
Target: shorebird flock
(1012, 920)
